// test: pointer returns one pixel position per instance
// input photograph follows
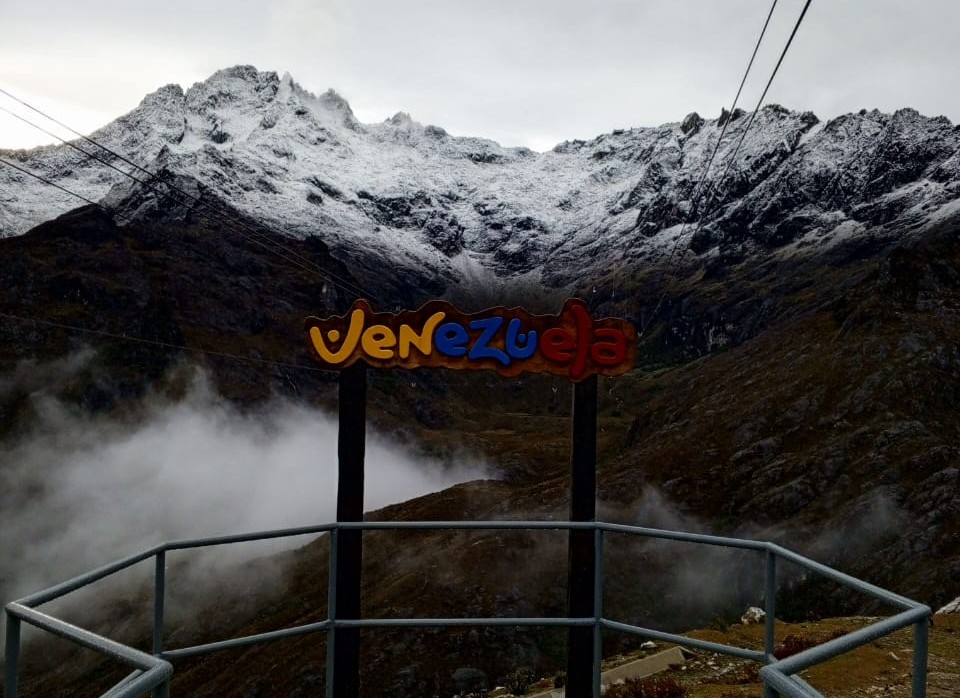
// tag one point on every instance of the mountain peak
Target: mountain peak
(164, 95)
(332, 100)
(401, 118)
(246, 73)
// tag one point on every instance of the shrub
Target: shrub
(657, 687)
(793, 644)
(519, 681)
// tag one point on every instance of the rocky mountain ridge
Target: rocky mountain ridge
(444, 211)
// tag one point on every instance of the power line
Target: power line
(157, 343)
(115, 213)
(756, 110)
(224, 216)
(125, 337)
(74, 146)
(698, 190)
(121, 157)
(743, 135)
(52, 184)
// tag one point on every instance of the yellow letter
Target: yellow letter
(377, 342)
(349, 343)
(420, 341)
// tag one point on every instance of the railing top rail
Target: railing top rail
(209, 541)
(542, 524)
(685, 537)
(843, 578)
(82, 580)
(79, 581)
(90, 640)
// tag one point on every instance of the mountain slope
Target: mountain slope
(445, 209)
(828, 423)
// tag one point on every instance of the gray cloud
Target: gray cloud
(79, 491)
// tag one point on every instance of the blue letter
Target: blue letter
(515, 336)
(451, 339)
(482, 350)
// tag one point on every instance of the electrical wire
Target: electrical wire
(125, 337)
(116, 213)
(306, 267)
(698, 189)
(52, 184)
(121, 157)
(164, 345)
(756, 110)
(224, 215)
(743, 135)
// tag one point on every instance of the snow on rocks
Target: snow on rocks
(401, 193)
(753, 615)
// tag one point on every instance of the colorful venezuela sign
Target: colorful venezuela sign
(507, 340)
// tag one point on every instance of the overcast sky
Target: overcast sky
(523, 72)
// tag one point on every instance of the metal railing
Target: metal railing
(154, 672)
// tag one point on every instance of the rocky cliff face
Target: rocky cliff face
(445, 211)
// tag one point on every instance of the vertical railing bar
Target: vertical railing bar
(597, 608)
(331, 612)
(921, 638)
(12, 657)
(163, 690)
(159, 594)
(770, 608)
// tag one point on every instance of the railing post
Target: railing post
(770, 608)
(920, 639)
(597, 608)
(12, 656)
(159, 594)
(331, 613)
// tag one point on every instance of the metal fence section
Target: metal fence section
(153, 672)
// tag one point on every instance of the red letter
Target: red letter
(584, 325)
(557, 345)
(612, 352)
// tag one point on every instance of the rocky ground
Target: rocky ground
(882, 668)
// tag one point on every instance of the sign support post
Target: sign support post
(581, 565)
(351, 446)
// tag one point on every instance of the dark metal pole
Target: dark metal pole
(349, 549)
(921, 639)
(770, 630)
(597, 611)
(12, 657)
(159, 593)
(332, 615)
(581, 569)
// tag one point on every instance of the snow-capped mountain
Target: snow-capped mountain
(414, 197)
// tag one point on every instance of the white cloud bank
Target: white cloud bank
(79, 491)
